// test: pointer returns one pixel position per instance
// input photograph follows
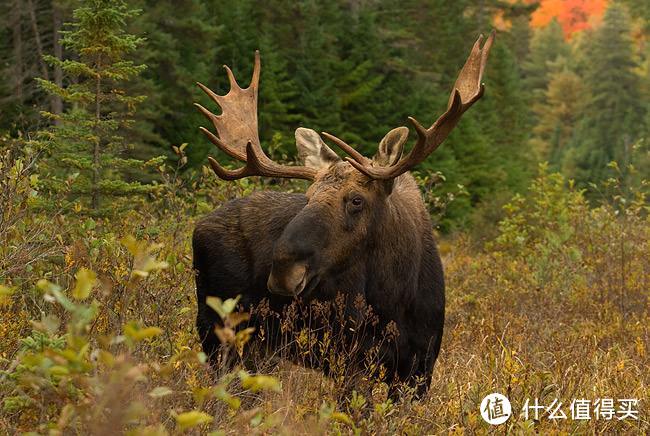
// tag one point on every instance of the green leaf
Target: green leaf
(47, 286)
(59, 370)
(86, 280)
(90, 224)
(342, 417)
(53, 293)
(144, 262)
(223, 308)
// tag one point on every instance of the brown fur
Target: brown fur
(384, 253)
(361, 229)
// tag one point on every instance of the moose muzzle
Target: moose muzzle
(289, 280)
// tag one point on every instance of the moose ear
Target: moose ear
(313, 152)
(391, 147)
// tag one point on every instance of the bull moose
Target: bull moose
(361, 228)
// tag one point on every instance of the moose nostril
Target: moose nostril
(289, 280)
(276, 286)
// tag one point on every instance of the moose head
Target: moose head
(349, 199)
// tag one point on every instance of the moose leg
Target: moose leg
(413, 375)
(420, 376)
(205, 325)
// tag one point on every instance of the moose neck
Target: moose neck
(394, 255)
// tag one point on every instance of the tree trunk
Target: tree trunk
(57, 103)
(17, 37)
(96, 145)
(37, 38)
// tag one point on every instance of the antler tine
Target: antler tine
(259, 164)
(237, 123)
(467, 90)
(347, 148)
(237, 132)
(231, 78)
(257, 68)
(214, 96)
(223, 146)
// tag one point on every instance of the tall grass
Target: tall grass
(98, 323)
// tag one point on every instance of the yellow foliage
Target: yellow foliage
(192, 419)
(5, 295)
(555, 307)
(86, 280)
(256, 383)
(137, 333)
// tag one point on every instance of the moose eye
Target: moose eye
(356, 204)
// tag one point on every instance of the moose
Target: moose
(361, 228)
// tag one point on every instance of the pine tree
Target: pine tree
(546, 46)
(316, 61)
(614, 116)
(180, 50)
(359, 79)
(641, 11)
(563, 104)
(369, 90)
(88, 141)
(504, 120)
(277, 113)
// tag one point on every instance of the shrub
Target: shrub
(98, 328)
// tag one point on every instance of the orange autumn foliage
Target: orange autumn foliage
(573, 15)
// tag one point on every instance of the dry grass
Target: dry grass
(555, 307)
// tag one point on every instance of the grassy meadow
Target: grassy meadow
(98, 321)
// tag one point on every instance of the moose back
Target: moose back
(361, 229)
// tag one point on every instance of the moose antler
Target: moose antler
(238, 134)
(467, 90)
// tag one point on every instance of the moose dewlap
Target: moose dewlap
(361, 231)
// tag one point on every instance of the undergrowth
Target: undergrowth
(98, 321)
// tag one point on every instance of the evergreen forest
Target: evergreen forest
(538, 200)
